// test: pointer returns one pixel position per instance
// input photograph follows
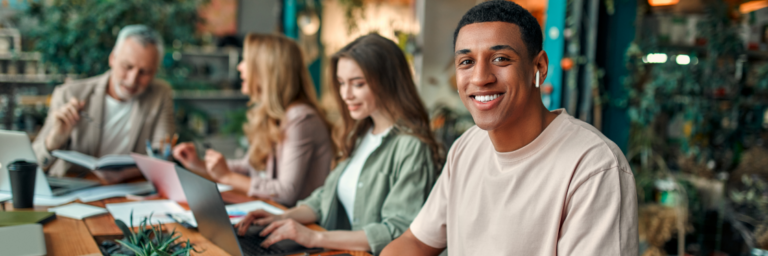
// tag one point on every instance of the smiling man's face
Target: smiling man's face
(133, 68)
(494, 73)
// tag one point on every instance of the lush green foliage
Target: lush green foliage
(713, 111)
(77, 36)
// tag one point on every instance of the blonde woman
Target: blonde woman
(389, 157)
(289, 137)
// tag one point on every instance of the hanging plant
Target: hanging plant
(352, 7)
(77, 36)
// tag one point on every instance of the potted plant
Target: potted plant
(149, 240)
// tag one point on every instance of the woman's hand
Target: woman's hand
(258, 218)
(187, 155)
(292, 230)
(216, 165)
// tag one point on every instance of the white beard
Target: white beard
(121, 94)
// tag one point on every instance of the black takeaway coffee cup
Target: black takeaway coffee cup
(22, 175)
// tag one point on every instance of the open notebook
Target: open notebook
(108, 162)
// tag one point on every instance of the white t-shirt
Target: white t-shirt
(116, 126)
(348, 181)
(568, 192)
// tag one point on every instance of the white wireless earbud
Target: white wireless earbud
(538, 77)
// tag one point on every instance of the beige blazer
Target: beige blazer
(151, 118)
(300, 163)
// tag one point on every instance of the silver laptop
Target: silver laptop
(213, 222)
(16, 146)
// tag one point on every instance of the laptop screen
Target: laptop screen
(205, 201)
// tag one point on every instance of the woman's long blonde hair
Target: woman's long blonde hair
(277, 77)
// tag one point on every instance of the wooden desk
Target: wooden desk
(65, 236)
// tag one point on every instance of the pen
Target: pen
(150, 151)
(84, 115)
(167, 152)
(161, 147)
(179, 220)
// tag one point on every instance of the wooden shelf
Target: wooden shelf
(30, 100)
(30, 79)
(20, 56)
(209, 95)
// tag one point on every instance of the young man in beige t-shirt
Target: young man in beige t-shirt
(524, 181)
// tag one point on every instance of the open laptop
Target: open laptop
(16, 146)
(163, 176)
(213, 222)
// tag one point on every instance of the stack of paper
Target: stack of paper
(158, 209)
(238, 211)
(46, 200)
(90, 194)
(78, 211)
(119, 190)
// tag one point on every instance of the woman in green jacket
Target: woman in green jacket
(389, 158)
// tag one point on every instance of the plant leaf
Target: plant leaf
(136, 249)
(127, 232)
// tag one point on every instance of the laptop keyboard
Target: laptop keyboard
(251, 244)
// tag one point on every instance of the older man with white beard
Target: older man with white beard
(113, 113)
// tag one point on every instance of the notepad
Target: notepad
(23, 240)
(25, 217)
(78, 211)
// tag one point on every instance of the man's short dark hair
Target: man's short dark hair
(505, 11)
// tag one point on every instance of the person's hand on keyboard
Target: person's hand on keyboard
(257, 217)
(291, 230)
(254, 230)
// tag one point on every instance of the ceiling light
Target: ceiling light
(655, 58)
(662, 2)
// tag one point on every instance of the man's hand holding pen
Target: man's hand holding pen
(66, 118)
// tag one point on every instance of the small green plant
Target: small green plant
(149, 240)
